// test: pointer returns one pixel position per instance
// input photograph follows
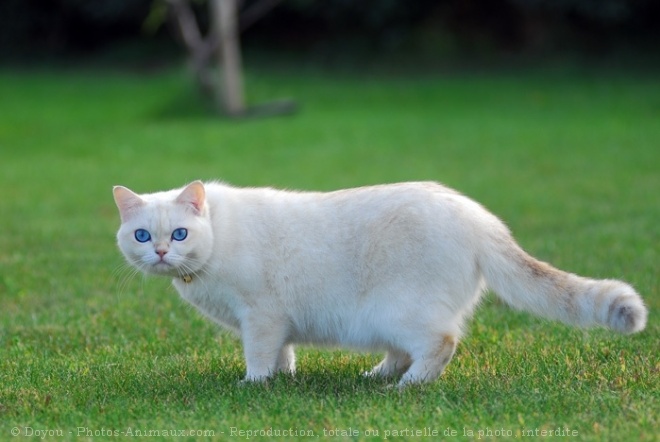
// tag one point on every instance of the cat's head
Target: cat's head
(167, 233)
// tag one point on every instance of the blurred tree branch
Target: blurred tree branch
(200, 49)
(222, 40)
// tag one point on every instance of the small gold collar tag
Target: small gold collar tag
(186, 278)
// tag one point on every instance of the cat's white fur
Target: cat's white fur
(396, 267)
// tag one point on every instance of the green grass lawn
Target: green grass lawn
(570, 159)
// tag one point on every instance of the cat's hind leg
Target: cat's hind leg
(395, 363)
(429, 361)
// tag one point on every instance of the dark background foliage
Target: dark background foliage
(73, 27)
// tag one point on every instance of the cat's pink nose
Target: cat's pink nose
(161, 253)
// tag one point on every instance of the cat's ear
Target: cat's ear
(127, 201)
(194, 196)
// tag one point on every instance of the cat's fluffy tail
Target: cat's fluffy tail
(534, 286)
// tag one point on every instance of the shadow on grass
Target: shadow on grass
(322, 381)
(225, 377)
(191, 105)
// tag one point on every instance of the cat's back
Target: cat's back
(347, 206)
(409, 204)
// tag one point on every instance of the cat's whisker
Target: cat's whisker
(128, 274)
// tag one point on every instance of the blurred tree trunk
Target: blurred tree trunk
(225, 22)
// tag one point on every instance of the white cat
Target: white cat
(396, 267)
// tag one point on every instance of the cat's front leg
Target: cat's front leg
(286, 361)
(264, 340)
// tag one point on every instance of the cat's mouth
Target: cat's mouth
(164, 268)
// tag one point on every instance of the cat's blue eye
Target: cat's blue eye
(180, 234)
(142, 235)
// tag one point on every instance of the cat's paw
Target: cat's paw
(398, 387)
(253, 380)
(379, 374)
